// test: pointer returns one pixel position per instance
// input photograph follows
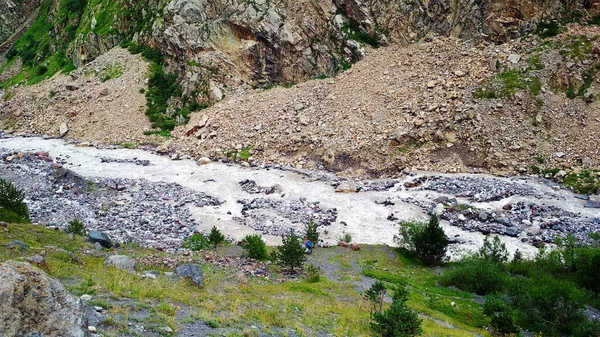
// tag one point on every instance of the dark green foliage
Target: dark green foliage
(545, 295)
(215, 236)
(12, 208)
(76, 227)
(161, 87)
(197, 242)
(494, 250)
(427, 240)
(501, 314)
(397, 321)
(546, 29)
(587, 329)
(311, 232)
(546, 304)
(73, 7)
(290, 254)
(477, 275)
(375, 296)
(255, 246)
(313, 274)
(353, 31)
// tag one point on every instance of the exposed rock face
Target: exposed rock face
(31, 303)
(13, 14)
(217, 45)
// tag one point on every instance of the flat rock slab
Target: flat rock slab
(120, 262)
(192, 271)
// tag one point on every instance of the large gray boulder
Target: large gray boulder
(101, 238)
(192, 271)
(33, 304)
(120, 262)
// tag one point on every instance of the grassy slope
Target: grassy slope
(334, 306)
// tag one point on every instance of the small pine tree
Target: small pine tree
(375, 296)
(427, 240)
(215, 236)
(291, 253)
(11, 203)
(494, 250)
(76, 227)
(311, 232)
(255, 246)
(517, 257)
(397, 321)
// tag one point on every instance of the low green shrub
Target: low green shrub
(12, 207)
(311, 232)
(477, 275)
(197, 242)
(397, 321)
(255, 247)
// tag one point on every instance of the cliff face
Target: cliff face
(13, 15)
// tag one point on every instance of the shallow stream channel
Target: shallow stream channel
(138, 196)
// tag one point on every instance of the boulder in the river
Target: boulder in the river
(512, 231)
(122, 262)
(346, 187)
(203, 161)
(101, 238)
(592, 204)
(191, 271)
(33, 304)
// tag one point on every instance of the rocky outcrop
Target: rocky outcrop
(217, 45)
(33, 304)
(13, 14)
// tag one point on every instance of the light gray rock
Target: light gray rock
(122, 262)
(514, 58)
(33, 304)
(203, 161)
(191, 271)
(63, 130)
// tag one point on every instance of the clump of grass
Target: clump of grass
(506, 84)
(128, 145)
(197, 242)
(112, 72)
(345, 237)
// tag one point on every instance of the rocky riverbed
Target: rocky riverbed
(138, 196)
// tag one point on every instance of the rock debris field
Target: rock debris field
(138, 196)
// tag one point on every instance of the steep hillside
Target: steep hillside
(213, 47)
(439, 105)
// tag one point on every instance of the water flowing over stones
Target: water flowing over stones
(160, 204)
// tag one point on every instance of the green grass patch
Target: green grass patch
(112, 72)
(506, 84)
